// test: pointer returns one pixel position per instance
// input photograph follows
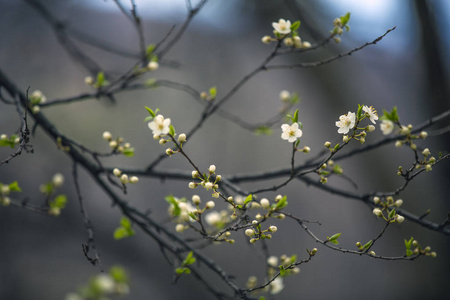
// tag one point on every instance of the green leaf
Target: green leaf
(334, 237)
(149, 50)
(295, 25)
(213, 92)
(345, 18)
(150, 111)
(336, 242)
(101, 79)
(408, 243)
(59, 202)
(409, 252)
(14, 187)
(368, 244)
(295, 119)
(282, 270)
(248, 199)
(125, 223)
(359, 112)
(282, 203)
(391, 214)
(120, 233)
(171, 130)
(118, 274)
(324, 173)
(128, 152)
(176, 208)
(336, 147)
(263, 130)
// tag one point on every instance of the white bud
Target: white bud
(426, 152)
(377, 212)
(3, 137)
(399, 202)
(370, 128)
(285, 96)
(306, 45)
(134, 179)
(117, 172)
(192, 185)
(58, 179)
(113, 144)
(153, 65)
(180, 228)
(182, 138)
(398, 144)
(327, 144)
(423, 134)
(376, 200)
(212, 169)
(215, 195)
(266, 39)
(210, 204)
(249, 232)
(272, 261)
(265, 203)
(400, 219)
(208, 185)
(273, 228)
(107, 135)
(196, 199)
(89, 80)
(124, 179)
(306, 149)
(345, 139)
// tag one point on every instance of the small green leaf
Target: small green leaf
(336, 147)
(120, 233)
(359, 112)
(248, 199)
(263, 130)
(391, 214)
(125, 223)
(149, 50)
(171, 130)
(409, 252)
(282, 203)
(345, 18)
(368, 244)
(213, 92)
(128, 152)
(176, 208)
(336, 242)
(150, 111)
(334, 236)
(14, 187)
(409, 243)
(118, 274)
(295, 25)
(282, 270)
(295, 119)
(59, 202)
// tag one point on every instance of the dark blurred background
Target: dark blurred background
(41, 257)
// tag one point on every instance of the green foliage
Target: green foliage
(248, 199)
(263, 130)
(280, 204)
(176, 208)
(183, 269)
(213, 92)
(408, 244)
(124, 230)
(333, 238)
(60, 202)
(9, 142)
(14, 187)
(295, 25)
(391, 116)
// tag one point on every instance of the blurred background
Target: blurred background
(41, 257)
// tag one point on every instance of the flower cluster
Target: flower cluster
(102, 286)
(208, 181)
(287, 32)
(329, 168)
(57, 203)
(5, 190)
(413, 248)
(36, 98)
(351, 120)
(388, 205)
(11, 141)
(339, 25)
(124, 179)
(118, 145)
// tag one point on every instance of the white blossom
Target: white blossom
(283, 26)
(272, 261)
(213, 218)
(291, 133)
(371, 112)
(159, 125)
(346, 122)
(276, 286)
(387, 127)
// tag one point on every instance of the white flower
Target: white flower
(159, 125)
(346, 122)
(58, 179)
(276, 286)
(272, 261)
(213, 218)
(249, 232)
(285, 96)
(387, 127)
(371, 112)
(291, 133)
(283, 26)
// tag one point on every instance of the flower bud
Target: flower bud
(398, 203)
(169, 151)
(400, 219)
(180, 228)
(124, 179)
(208, 185)
(192, 185)
(423, 134)
(372, 253)
(398, 144)
(210, 204)
(218, 177)
(426, 152)
(327, 144)
(345, 139)
(278, 198)
(370, 128)
(285, 96)
(196, 199)
(107, 135)
(377, 212)
(182, 138)
(153, 65)
(88, 80)
(273, 228)
(265, 203)
(306, 149)
(281, 216)
(113, 144)
(58, 179)
(266, 39)
(376, 200)
(212, 169)
(117, 172)
(134, 179)
(249, 232)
